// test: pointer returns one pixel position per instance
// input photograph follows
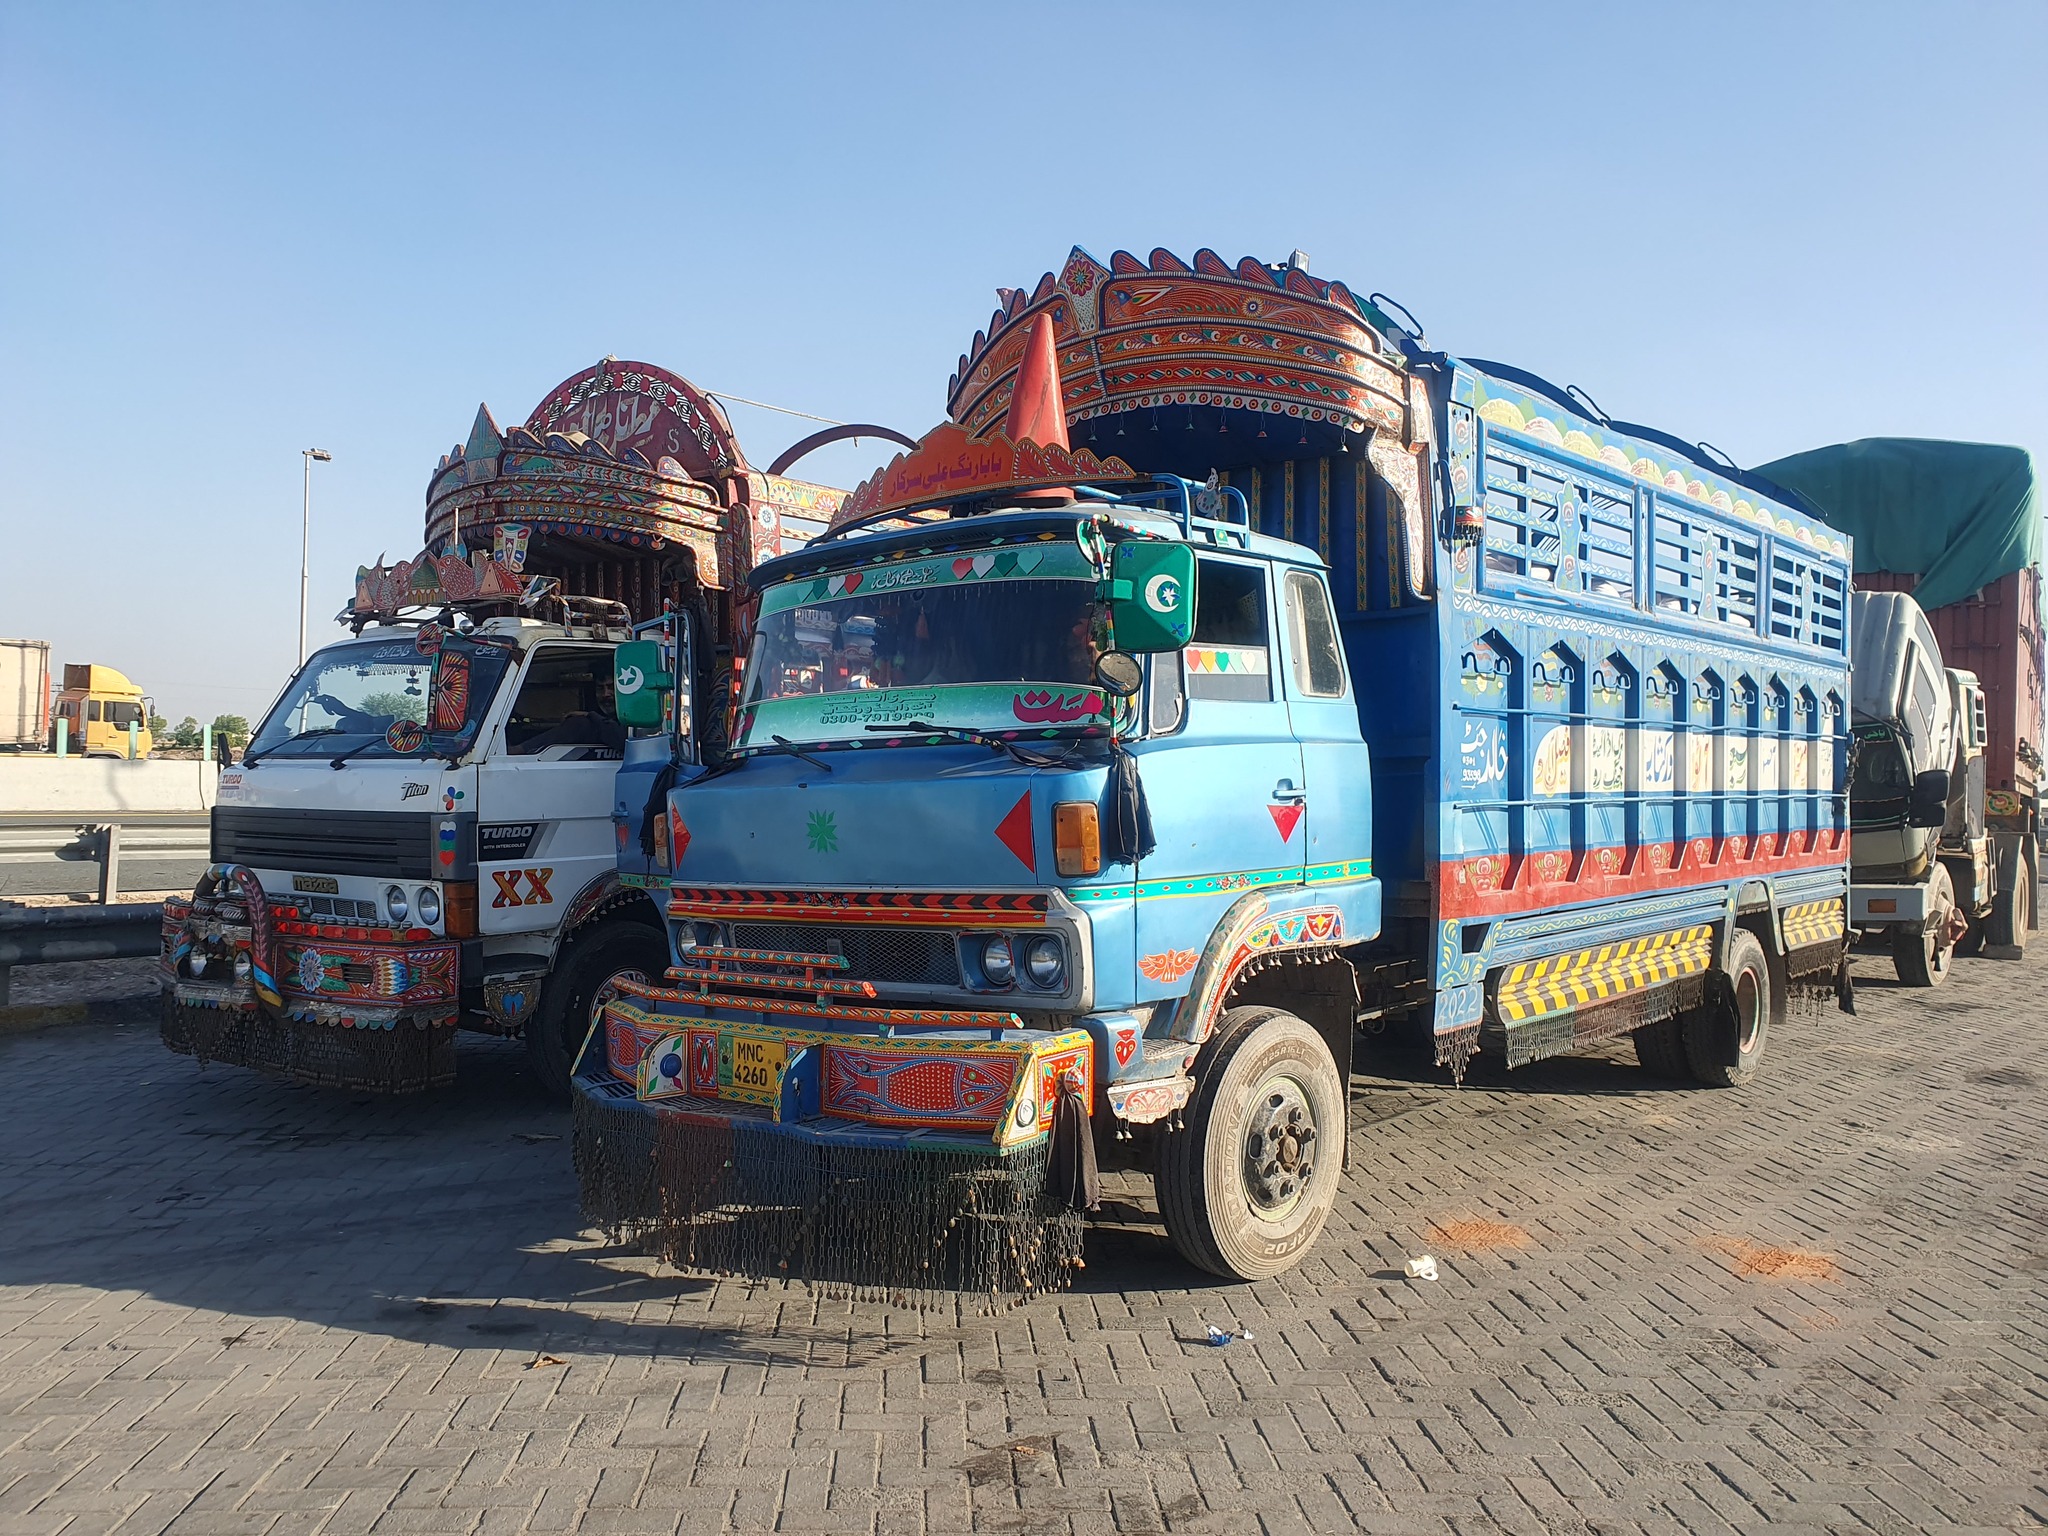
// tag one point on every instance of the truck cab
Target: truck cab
(1923, 864)
(98, 707)
(426, 817)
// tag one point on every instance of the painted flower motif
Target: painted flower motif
(822, 832)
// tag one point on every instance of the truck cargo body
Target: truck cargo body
(24, 695)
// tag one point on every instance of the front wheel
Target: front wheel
(1925, 959)
(1725, 1037)
(584, 979)
(1246, 1185)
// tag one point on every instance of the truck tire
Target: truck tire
(1660, 1048)
(1925, 959)
(1264, 1080)
(1726, 1036)
(579, 986)
(2012, 909)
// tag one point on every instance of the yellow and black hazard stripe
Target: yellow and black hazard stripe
(1581, 977)
(1814, 922)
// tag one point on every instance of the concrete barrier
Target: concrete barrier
(89, 789)
(71, 826)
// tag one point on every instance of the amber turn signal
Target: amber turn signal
(458, 909)
(1077, 838)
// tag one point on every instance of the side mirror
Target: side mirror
(639, 681)
(1152, 595)
(1928, 805)
(1120, 673)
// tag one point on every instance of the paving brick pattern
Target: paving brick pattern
(231, 1305)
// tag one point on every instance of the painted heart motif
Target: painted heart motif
(1126, 1046)
(1006, 563)
(835, 586)
(961, 567)
(1029, 560)
(853, 581)
(983, 564)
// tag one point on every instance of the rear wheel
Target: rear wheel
(1247, 1184)
(1660, 1048)
(1924, 959)
(577, 989)
(2012, 909)
(1726, 1036)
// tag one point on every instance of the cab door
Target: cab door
(544, 791)
(1337, 780)
(1225, 790)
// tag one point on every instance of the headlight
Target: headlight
(1045, 962)
(997, 963)
(429, 905)
(395, 904)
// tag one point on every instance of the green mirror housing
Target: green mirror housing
(638, 682)
(1152, 595)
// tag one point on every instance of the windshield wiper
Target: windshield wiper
(784, 744)
(249, 760)
(978, 739)
(348, 752)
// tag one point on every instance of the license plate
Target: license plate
(750, 1069)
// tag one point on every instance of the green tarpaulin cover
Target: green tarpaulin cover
(1957, 515)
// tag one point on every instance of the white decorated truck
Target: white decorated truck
(428, 829)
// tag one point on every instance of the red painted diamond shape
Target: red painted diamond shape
(1014, 832)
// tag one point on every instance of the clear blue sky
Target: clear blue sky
(229, 233)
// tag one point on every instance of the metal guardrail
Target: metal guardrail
(31, 838)
(46, 935)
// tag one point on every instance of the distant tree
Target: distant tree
(158, 726)
(184, 734)
(234, 728)
(396, 706)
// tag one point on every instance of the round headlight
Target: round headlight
(997, 963)
(429, 906)
(394, 903)
(1045, 962)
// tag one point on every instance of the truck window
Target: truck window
(123, 715)
(92, 709)
(1229, 657)
(565, 700)
(1318, 670)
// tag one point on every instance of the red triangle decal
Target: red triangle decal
(1014, 833)
(1286, 818)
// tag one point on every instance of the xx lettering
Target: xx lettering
(508, 887)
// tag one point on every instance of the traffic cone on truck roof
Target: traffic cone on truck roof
(1036, 410)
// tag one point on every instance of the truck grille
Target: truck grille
(387, 844)
(872, 954)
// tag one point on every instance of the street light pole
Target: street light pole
(306, 539)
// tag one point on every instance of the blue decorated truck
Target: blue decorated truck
(1230, 681)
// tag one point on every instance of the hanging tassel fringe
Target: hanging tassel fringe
(407, 1059)
(888, 1221)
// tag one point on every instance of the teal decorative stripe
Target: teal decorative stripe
(1210, 885)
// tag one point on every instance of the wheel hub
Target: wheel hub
(1279, 1147)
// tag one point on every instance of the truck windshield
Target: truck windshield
(1883, 780)
(348, 698)
(984, 654)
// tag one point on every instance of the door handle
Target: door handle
(1285, 793)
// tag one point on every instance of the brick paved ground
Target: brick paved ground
(228, 1305)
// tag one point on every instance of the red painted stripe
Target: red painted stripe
(1471, 887)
